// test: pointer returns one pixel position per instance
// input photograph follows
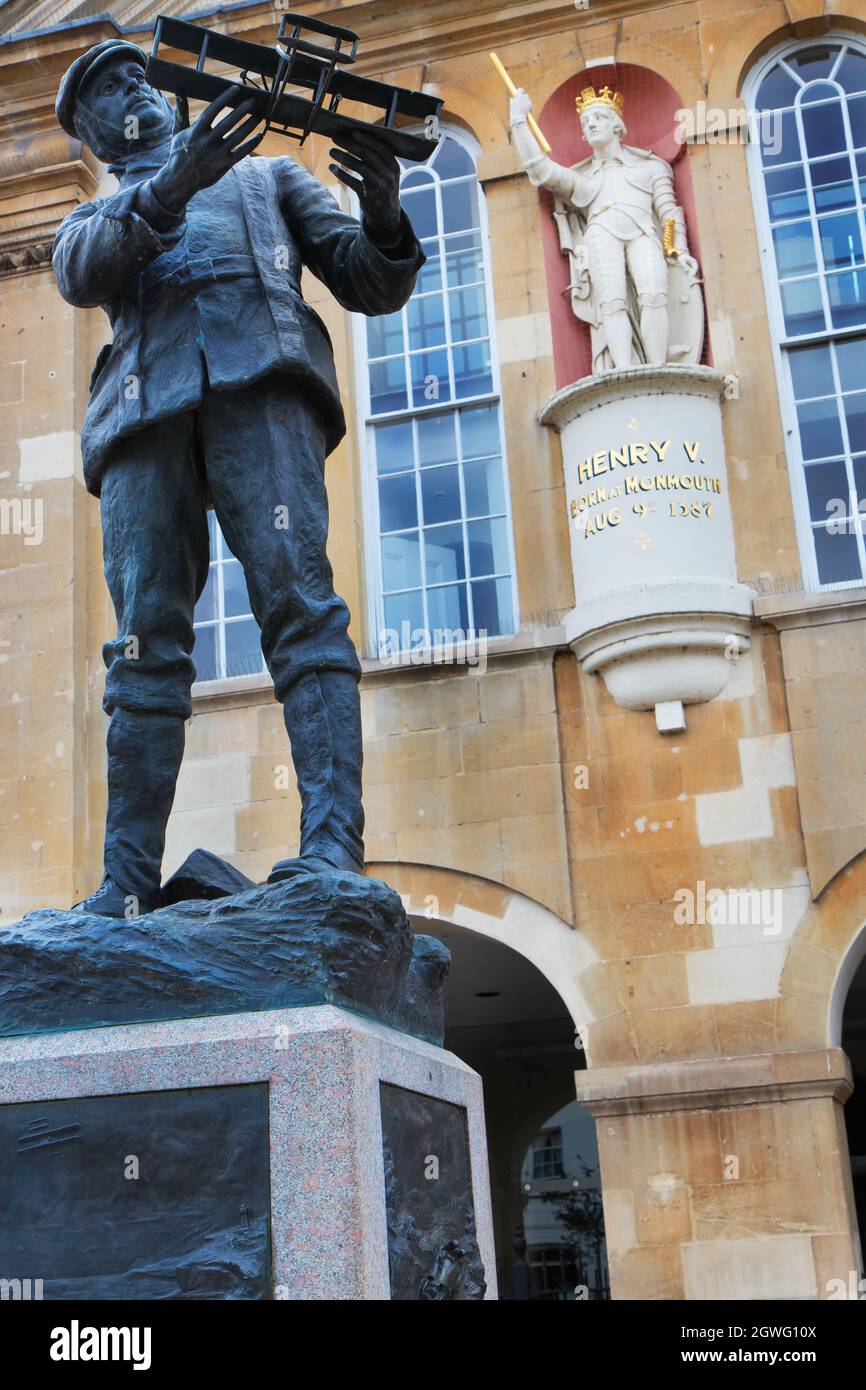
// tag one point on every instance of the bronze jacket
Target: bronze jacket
(183, 320)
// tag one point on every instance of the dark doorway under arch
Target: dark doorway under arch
(854, 1045)
(506, 1020)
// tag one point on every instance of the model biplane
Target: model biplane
(297, 86)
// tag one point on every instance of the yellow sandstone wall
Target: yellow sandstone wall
(526, 774)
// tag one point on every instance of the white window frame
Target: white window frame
(782, 344)
(366, 423)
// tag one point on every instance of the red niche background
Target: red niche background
(650, 106)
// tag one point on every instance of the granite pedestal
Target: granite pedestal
(300, 1153)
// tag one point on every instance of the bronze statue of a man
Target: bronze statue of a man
(218, 389)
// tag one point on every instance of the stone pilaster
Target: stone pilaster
(727, 1179)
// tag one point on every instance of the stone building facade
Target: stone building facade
(691, 904)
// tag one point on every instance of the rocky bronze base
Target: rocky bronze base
(335, 938)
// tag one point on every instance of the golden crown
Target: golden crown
(605, 97)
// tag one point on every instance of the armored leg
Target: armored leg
(649, 272)
(265, 456)
(607, 268)
(156, 562)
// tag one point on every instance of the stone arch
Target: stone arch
(561, 953)
(754, 38)
(824, 954)
(486, 122)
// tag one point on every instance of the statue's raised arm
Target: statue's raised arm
(543, 171)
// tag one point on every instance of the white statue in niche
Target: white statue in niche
(632, 278)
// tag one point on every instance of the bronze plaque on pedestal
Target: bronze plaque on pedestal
(159, 1195)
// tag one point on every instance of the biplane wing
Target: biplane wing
(264, 74)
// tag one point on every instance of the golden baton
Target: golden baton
(530, 119)
(670, 238)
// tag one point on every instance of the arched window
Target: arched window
(808, 170)
(439, 530)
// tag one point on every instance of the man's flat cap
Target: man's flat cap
(82, 68)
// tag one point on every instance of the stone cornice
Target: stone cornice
(393, 36)
(715, 1083)
(786, 611)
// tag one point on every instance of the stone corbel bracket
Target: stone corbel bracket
(659, 611)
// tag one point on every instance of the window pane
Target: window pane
(860, 480)
(855, 416)
(426, 321)
(459, 206)
(385, 335)
(492, 607)
(404, 608)
(206, 607)
(837, 556)
(401, 562)
(811, 64)
(479, 431)
(235, 596)
(825, 483)
(430, 274)
(436, 441)
(388, 386)
(824, 129)
(243, 648)
(851, 72)
(440, 494)
(857, 116)
(483, 485)
(472, 374)
(851, 360)
(213, 533)
(443, 552)
(811, 372)
(786, 192)
(452, 160)
(820, 430)
(463, 260)
(468, 314)
(847, 295)
(840, 241)
(398, 509)
(205, 654)
(795, 248)
(416, 178)
(448, 608)
(779, 140)
(802, 307)
(430, 378)
(819, 91)
(832, 184)
(778, 88)
(394, 447)
(420, 207)
(488, 547)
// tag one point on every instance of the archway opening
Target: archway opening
(854, 1045)
(506, 1021)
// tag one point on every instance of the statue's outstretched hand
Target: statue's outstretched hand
(205, 151)
(689, 264)
(371, 170)
(519, 106)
